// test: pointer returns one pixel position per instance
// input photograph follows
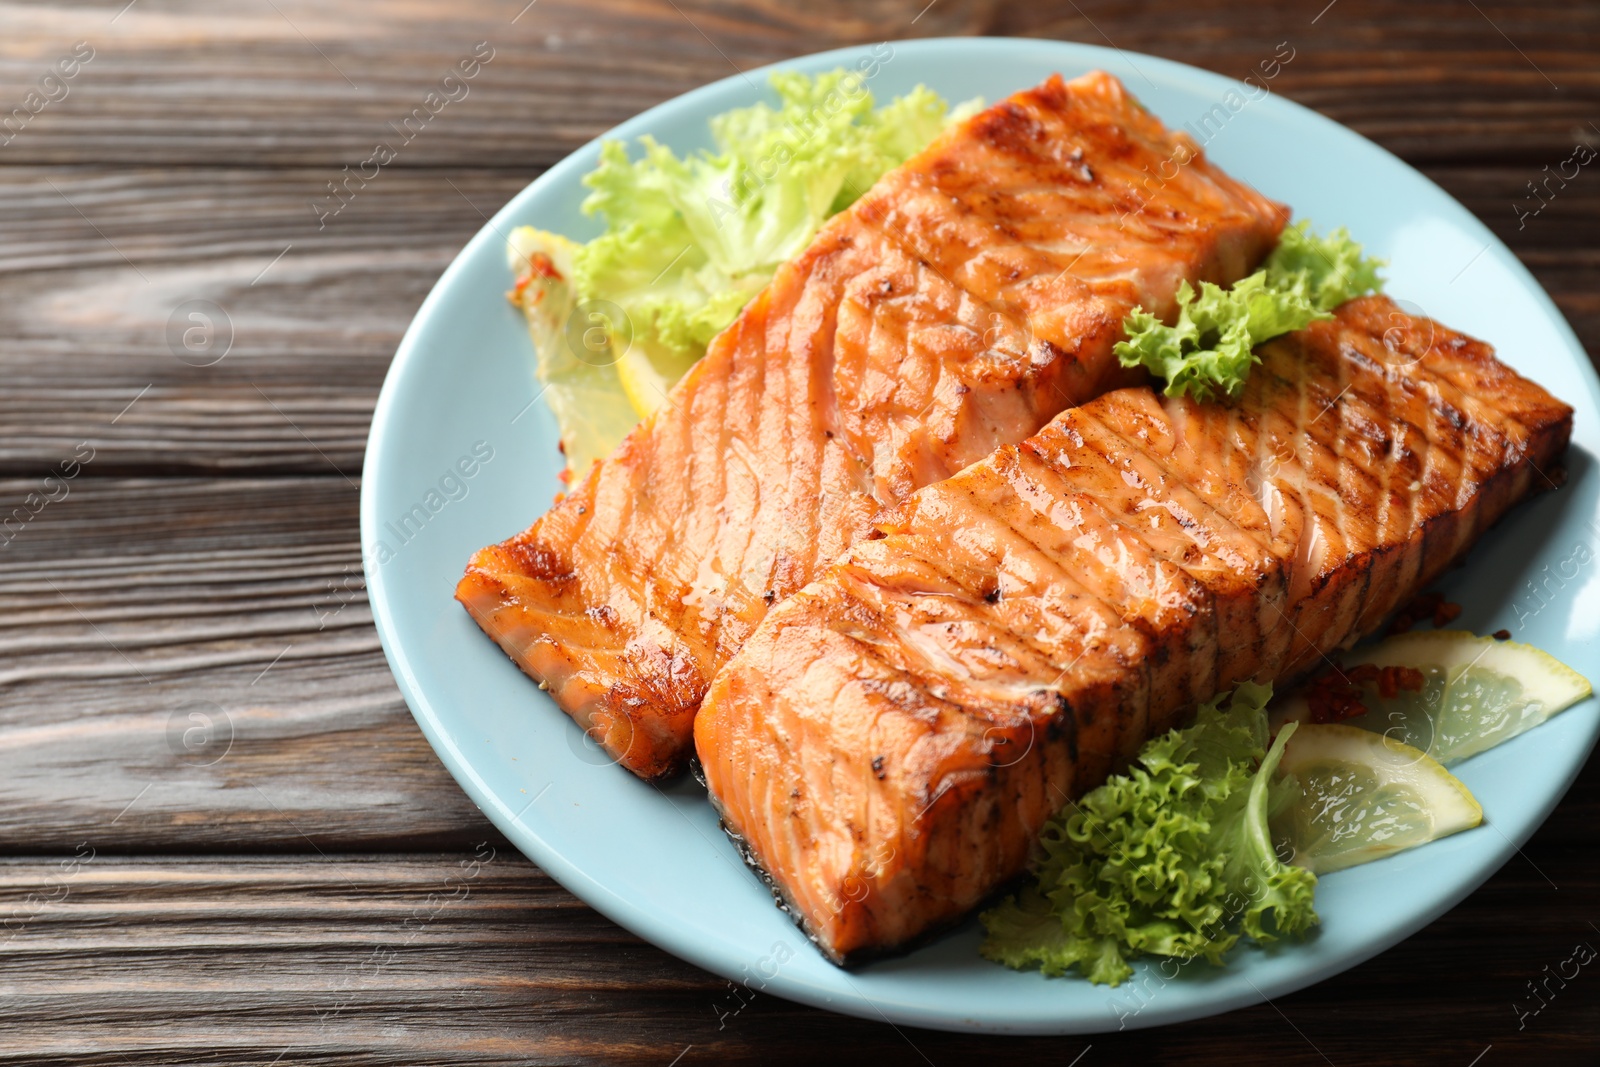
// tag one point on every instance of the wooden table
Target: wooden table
(304, 889)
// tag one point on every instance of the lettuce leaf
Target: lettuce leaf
(1209, 349)
(690, 240)
(1326, 270)
(1172, 858)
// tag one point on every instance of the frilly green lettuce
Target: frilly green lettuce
(1172, 858)
(690, 240)
(1208, 350)
(1326, 270)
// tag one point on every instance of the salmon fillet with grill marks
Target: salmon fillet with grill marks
(890, 741)
(963, 301)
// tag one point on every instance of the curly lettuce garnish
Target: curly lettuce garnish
(1327, 270)
(1208, 350)
(1172, 858)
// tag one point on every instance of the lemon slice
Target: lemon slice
(648, 373)
(575, 354)
(1476, 692)
(1365, 796)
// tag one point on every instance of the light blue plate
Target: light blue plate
(654, 860)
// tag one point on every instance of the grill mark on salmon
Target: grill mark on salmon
(964, 300)
(889, 742)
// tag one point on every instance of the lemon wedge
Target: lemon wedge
(1365, 796)
(647, 373)
(575, 353)
(1477, 692)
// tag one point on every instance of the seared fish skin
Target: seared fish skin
(889, 742)
(963, 301)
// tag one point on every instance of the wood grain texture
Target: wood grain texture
(302, 897)
(477, 957)
(1434, 81)
(321, 82)
(128, 607)
(95, 264)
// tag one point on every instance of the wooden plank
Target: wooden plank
(477, 957)
(96, 264)
(301, 81)
(312, 82)
(314, 330)
(129, 607)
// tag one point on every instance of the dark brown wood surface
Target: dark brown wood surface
(323, 892)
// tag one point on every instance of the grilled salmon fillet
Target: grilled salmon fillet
(890, 740)
(963, 301)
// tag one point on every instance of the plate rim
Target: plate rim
(629, 913)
